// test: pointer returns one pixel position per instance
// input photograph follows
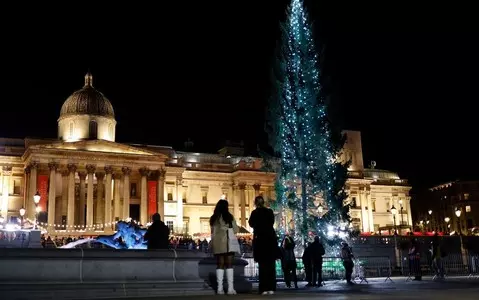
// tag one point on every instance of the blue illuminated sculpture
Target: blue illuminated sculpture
(128, 236)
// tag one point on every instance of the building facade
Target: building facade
(87, 181)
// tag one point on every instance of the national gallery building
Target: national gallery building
(87, 181)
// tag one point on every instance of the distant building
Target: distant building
(87, 181)
(445, 199)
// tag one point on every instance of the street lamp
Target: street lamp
(458, 215)
(36, 200)
(22, 214)
(394, 211)
(429, 212)
(447, 219)
(401, 208)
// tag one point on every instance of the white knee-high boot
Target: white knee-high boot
(230, 278)
(220, 274)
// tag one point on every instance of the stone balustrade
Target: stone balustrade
(93, 273)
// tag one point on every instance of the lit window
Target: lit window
(468, 208)
(205, 197)
(466, 196)
(170, 225)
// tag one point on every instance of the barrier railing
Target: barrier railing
(333, 269)
(451, 265)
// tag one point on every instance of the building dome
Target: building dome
(87, 115)
(87, 101)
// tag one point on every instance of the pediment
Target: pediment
(97, 146)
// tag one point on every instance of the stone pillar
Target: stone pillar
(81, 206)
(161, 193)
(179, 204)
(408, 211)
(370, 210)
(364, 212)
(63, 205)
(257, 187)
(33, 190)
(117, 212)
(7, 174)
(100, 203)
(126, 192)
(52, 193)
(242, 187)
(236, 202)
(71, 196)
(26, 191)
(144, 197)
(89, 197)
(108, 196)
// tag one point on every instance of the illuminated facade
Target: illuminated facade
(87, 181)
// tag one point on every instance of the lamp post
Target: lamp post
(447, 219)
(36, 200)
(458, 215)
(394, 211)
(22, 214)
(432, 224)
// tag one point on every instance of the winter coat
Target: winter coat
(219, 236)
(265, 241)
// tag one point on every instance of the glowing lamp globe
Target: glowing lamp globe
(458, 212)
(394, 210)
(429, 212)
(22, 211)
(447, 219)
(36, 198)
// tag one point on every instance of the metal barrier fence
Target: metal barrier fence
(364, 267)
(452, 265)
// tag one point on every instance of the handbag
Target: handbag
(233, 244)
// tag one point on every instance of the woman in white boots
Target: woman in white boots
(223, 225)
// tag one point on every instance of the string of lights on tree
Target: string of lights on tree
(311, 177)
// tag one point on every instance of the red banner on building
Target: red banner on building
(151, 198)
(42, 187)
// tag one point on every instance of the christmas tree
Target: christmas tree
(311, 177)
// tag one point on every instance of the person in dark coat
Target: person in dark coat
(317, 252)
(348, 263)
(158, 234)
(308, 266)
(415, 260)
(288, 262)
(265, 245)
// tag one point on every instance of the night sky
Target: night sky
(406, 77)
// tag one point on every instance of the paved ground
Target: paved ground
(376, 289)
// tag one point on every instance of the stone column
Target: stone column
(26, 191)
(126, 192)
(179, 204)
(364, 212)
(161, 193)
(256, 187)
(117, 212)
(108, 196)
(71, 196)
(408, 211)
(89, 197)
(242, 187)
(7, 174)
(144, 197)
(63, 205)
(81, 206)
(370, 210)
(100, 203)
(33, 190)
(236, 202)
(52, 193)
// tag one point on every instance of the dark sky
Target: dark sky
(405, 76)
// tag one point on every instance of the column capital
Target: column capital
(90, 169)
(100, 175)
(161, 174)
(7, 170)
(65, 172)
(82, 175)
(144, 171)
(53, 166)
(72, 168)
(33, 165)
(242, 185)
(108, 169)
(117, 176)
(126, 171)
(27, 170)
(257, 186)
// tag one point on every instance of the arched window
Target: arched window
(93, 129)
(70, 131)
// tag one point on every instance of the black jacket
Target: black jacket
(157, 236)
